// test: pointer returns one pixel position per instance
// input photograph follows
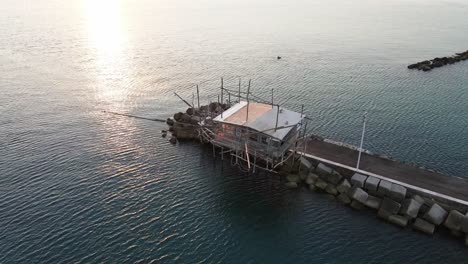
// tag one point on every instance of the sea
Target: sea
(80, 185)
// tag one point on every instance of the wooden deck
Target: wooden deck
(435, 182)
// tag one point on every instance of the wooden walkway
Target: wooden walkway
(446, 187)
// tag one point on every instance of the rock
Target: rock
(331, 189)
(358, 180)
(410, 208)
(454, 220)
(373, 202)
(293, 178)
(306, 164)
(195, 120)
(358, 194)
(372, 183)
(291, 185)
(333, 178)
(321, 184)
(178, 116)
(173, 140)
(357, 205)
(204, 108)
(398, 220)
(323, 170)
(190, 111)
(426, 68)
(388, 207)
(311, 178)
(185, 118)
(424, 226)
(213, 106)
(436, 214)
(342, 197)
(413, 66)
(170, 122)
(164, 135)
(384, 188)
(344, 186)
(397, 192)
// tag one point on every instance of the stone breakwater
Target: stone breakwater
(393, 203)
(428, 65)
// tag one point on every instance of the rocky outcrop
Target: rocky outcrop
(428, 65)
(185, 125)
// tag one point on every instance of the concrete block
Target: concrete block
(344, 186)
(424, 226)
(384, 188)
(321, 184)
(356, 205)
(303, 175)
(436, 215)
(358, 194)
(311, 178)
(358, 180)
(291, 185)
(342, 197)
(323, 169)
(333, 178)
(424, 209)
(464, 223)
(388, 207)
(419, 199)
(373, 202)
(312, 187)
(397, 192)
(293, 178)
(306, 164)
(454, 220)
(410, 208)
(398, 220)
(331, 189)
(372, 183)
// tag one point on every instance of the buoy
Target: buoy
(279, 58)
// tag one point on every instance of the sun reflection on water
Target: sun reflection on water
(107, 40)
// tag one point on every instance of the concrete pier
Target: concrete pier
(448, 190)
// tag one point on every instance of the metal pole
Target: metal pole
(198, 97)
(248, 92)
(362, 138)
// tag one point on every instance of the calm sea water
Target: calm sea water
(79, 185)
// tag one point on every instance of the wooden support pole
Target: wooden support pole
(248, 92)
(239, 88)
(222, 97)
(187, 103)
(277, 117)
(198, 97)
(271, 98)
(247, 156)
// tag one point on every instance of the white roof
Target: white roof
(262, 117)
